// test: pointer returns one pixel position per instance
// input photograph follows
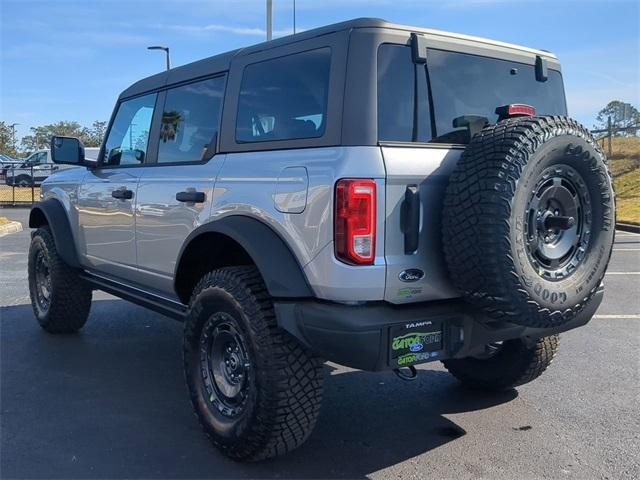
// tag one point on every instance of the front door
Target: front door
(108, 195)
(175, 195)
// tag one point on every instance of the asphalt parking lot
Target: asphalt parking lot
(110, 402)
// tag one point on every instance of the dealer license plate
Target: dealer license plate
(414, 343)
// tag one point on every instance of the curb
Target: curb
(626, 227)
(11, 227)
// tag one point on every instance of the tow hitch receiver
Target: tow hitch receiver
(408, 374)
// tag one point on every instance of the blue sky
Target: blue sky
(68, 60)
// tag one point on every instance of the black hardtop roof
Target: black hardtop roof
(221, 62)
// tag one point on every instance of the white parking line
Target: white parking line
(622, 273)
(620, 233)
(626, 249)
(616, 316)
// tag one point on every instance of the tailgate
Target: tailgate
(415, 186)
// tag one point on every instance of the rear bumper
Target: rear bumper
(359, 336)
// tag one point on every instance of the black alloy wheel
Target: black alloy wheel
(225, 365)
(558, 222)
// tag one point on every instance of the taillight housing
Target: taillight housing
(355, 221)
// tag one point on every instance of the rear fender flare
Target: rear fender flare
(277, 264)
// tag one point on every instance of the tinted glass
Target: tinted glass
(190, 121)
(398, 105)
(466, 89)
(38, 158)
(128, 138)
(284, 98)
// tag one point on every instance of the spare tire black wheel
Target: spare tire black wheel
(529, 220)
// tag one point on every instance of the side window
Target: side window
(128, 139)
(190, 121)
(38, 158)
(284, 98)
(403, 110)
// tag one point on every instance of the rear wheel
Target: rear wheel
(61, 300)
(505, 365)
(255, 390)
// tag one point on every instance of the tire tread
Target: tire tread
(293, 383)
(520, 365)
(70, 296)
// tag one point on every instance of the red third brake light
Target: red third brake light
(355, 221)
(519, 109)
(515, 110)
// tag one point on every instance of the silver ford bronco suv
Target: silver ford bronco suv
(366, 193)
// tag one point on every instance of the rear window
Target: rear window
(469, 86)
(284, 98)
(464, 91)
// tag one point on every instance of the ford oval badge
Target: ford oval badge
(411, 275)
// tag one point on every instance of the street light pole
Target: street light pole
(269, 20)
(13, 135)
(165, 49)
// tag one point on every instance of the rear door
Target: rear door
(417, 176)
(176, 192)
(427, 114)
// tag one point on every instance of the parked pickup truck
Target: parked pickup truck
(37, 167)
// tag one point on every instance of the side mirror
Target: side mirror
(68, 151)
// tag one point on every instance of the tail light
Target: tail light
(355, 221)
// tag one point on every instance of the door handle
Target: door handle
(122, 194)
(191, 197)
(410, 219)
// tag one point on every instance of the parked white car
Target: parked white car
(38, 166)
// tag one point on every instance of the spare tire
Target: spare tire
(529, 220)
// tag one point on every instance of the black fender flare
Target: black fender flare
(52, 213)
(277, 264)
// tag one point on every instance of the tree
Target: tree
(41, 136)
(7, 145)
(92, 137)
(623, 115)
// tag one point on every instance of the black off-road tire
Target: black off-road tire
(487, 220)
(23, 181)
(283, 379)
(69, 302)
(515, 363)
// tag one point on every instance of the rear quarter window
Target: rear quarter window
(284, 98)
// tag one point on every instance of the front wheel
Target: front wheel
(23, 181)
(505, 365)
(255, 390)
(61, 300)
